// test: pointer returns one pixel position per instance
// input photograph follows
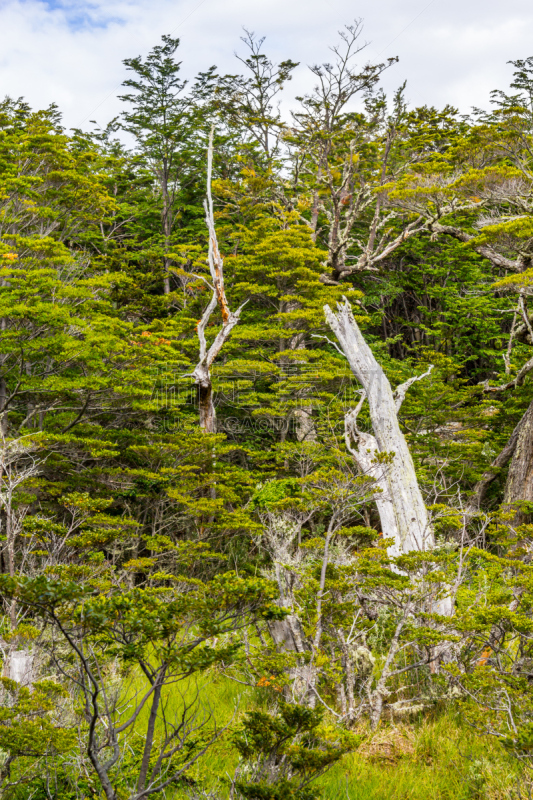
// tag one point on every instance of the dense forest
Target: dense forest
(266, 439)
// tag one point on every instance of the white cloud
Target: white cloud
(70, 52)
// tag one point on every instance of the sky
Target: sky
(70, 51)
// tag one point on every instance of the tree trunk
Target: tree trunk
(303, 416)
(3, 409)
(519, 486)
(502, 459)
(166, 225)
(202, 374)
(149, 739)
(20, 667)
(208, 419)
(401, 508)
(367, 459)
(166, 276)
(305, 426)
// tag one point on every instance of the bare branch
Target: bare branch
(403, 388)
(201, 373)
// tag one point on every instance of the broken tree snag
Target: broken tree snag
(202, 372)
(519, 485)
(400, 505)
(216, 263)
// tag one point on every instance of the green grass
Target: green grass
(437, 758)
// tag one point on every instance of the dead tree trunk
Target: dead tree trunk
(519, 486)
(502, 459)
(385, 455)
(202, 373)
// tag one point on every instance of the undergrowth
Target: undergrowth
(436, 757)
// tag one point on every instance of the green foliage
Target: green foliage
(288, 751)
(144, 563)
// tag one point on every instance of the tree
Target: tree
(290, 549)
(401, 508)
(160, 636)
(247, 101)
(288, 752)
(201, 372)
(343, 157)
(32, 732)
(167, 126)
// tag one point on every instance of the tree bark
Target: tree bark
(501, 460)
(206, 406)
(20, 666)
(385, 455)
(498, 259)
(149, 739)
(519, 486)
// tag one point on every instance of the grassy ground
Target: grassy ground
(437, 758)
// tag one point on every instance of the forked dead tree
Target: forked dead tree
(202, 371)
(385, 454)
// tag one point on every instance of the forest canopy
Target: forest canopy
(266, 433)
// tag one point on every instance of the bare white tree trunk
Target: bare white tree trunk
(202, 374)
(21, 667)
(385, 455)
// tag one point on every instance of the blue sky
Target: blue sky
(72, 16)
(70, 51)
